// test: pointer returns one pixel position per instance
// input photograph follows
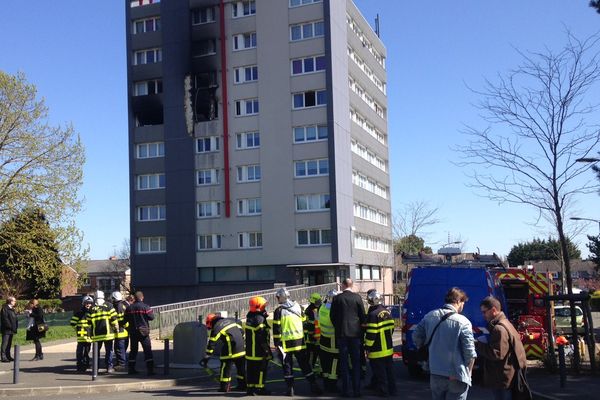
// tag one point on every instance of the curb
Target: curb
(100, 388)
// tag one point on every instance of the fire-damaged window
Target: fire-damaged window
(203, 15)
(143, 88)
(203, 48)
(203, 96)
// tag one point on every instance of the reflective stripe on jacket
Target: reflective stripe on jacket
(79, 321)
(288, 327)
(378, 337)
(120, 307)
(257, 334)
(103, 323)
(229, 332)
(311, 325)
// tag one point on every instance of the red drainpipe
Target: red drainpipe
(225, 114)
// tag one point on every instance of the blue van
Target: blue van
(427, 286)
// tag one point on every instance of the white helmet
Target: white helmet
(116, 296)
(87, 299)
(374, 298)
(282, 294)
(330, 295)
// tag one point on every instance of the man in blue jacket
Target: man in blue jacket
(452, 348)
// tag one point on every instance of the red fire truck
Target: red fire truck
(524, 291)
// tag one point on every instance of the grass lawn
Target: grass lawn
(59, 328)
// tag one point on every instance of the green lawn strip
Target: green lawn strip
(59, 328)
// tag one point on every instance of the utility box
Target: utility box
(189, 343)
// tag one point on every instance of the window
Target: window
(146, 25)
(261, 273)
(368, 273)
(246, 107)
(310, 133)
(225, 274)
(296, 3)
(209, 242)
(367, 126)
(312, 202)
(243, 8)
(209, 209)
(244, 41)
(152, 244)
(203, 15)
(151, 213)
(308, 65)
(371, 243)
(208, 176)
(150, 181)
(311, 98)
(370, 214)
(365, 153)
(248, 240)
(369, 184)
(249, 207)
(202, 48)
(207, 144)
(139, 3)
(313, 237)
(147, 56)
(307, 30)
(245, 74)
(248, 173)
(144, 88)
(311, 168)
(150, 150)
(248, 140)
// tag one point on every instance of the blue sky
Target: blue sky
(74, 51)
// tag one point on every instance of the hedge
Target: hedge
(49, 306)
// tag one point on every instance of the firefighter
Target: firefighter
(79, 321)
(229, 332)
(378, 343)
(288, 336)
(258, 351)
(312, 331)
(329, 353)
(121, 336)
(103, 324)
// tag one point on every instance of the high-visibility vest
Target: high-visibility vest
(288, 327)
(327, 340)
(120, 311)
(378, 337)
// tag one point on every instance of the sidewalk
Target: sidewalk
(57, 375)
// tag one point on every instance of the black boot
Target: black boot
(290, 387)
(225, 387)
(314, 388)
(262, 392)
(241, 386)
(132, 370)
(150, 367)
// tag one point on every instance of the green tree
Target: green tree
(29, 254)
(595, 4)
(411, 244)
(41, 165)
(594, 248)
(540, 249)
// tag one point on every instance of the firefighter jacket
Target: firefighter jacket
(378, 338)
(120, 307)
(311, 325)
(327, 339)
(138, 315)
(80, 322)
(229, 332)
(103, 322)
(288, 327)
(258, 336)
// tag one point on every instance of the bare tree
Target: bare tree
(119, 264)
(538, 127)
(413, 218)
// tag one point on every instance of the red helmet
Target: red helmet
(258, 303)
(210, 318)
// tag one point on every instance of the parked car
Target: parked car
(562, 315)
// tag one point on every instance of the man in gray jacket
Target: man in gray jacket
(452, 348)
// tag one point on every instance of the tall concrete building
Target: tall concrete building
(258, 146)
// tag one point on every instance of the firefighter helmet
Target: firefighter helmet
(282, 294)
(258, 303)
(374, 297)
(116, 296)
(210, 319)
(330, 295)
(315, 298)
(87, 300)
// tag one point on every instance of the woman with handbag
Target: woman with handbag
(36, 327)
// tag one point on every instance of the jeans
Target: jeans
(120, 346)
(442, 388)
(108, 353)
(502, 394)
(6, 345)
(350, 347)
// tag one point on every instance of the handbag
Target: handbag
(520, 387)
(42, 327)
(423, 351)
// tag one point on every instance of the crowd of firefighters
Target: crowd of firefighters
(114, 325)
(307, 335)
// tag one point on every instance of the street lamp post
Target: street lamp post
(588, 219)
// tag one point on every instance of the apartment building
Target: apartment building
(258, 146)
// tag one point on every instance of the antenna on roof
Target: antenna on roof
(377, 25)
